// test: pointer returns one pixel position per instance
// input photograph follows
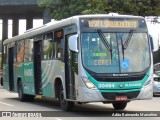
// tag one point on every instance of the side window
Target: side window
(7, 50)
(5, 54)
(48, 46)
(15, 53)
(28, 57)
(58, 44)
(20, 51)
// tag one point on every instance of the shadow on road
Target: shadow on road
(51, 108)
(54, 104)
(84, 110)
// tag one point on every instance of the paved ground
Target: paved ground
(10, 102)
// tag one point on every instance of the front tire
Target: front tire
(119, 105)
(65, 105)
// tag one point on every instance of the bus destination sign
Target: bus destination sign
(116, 23)
(112, 24)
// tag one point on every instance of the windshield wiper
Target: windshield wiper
(105, 42)
(122, 48)
(126, 43)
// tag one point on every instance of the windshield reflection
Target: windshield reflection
(96, 57)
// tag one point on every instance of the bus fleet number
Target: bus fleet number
(106, 85)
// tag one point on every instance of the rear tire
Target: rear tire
(119, 105)
(23, 97)
(65, 105)
(29, 98)
(1, 81)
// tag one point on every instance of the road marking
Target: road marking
(57, 118)
(6, 104)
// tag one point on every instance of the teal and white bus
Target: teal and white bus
(88, 58)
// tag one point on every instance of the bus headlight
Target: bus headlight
(148, 82)
(88, 83)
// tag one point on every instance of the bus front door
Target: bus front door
(71, 70)
(37, 67)
(11, 70)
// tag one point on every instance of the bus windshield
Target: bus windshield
(125, 53)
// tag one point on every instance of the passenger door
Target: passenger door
(10, 67)
(37, 67)
(71, 68)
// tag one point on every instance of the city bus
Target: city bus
(86, 58)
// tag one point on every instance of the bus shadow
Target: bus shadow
(44, 103)
(54, 104)
(84, 110)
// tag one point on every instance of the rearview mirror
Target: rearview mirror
(151, 42)
(73, 43)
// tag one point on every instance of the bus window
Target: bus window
(28, 50)
(15, 53)
(48, 47)
(5, 54)
(58, 43)
(20, 51)
(58, 46)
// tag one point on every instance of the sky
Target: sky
(154, 29)
(22, 26)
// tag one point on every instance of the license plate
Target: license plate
(121, 98)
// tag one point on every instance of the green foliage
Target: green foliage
(96, 7)
(60, 9)
(148, 7)
(122, 6)
(141, 8)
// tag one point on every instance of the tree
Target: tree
(96, 7)
(136, 7)
(61, 9)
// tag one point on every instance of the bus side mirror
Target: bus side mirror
(73, 43)
(151, 42)
(154, 70)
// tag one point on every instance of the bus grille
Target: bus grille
(112, 95)
(118, 79)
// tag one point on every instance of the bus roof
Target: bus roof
(62, 23)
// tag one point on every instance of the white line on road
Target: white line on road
(6, 104)
(57, 118)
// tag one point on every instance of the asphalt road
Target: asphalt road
(9, 102)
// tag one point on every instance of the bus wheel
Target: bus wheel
(1, 81)
(119, 105)
(21, 95)
(65, 105)
(30, 98)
